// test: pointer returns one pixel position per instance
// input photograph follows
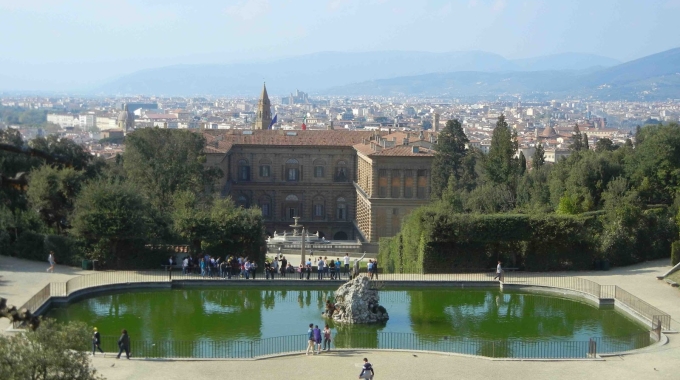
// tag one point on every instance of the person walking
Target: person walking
(310, 339)
(284, 266)
(320, 269)
(52, 262)
(317, 338)
(499, 272)
(96, 341)
(124, 344)
(327, 338)
(366, 370)
(346, 261)
(185, 265)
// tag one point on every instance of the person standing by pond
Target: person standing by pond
(346, 259)
(317, 338)
(366, 370)
(52, 262)
(310, 339)
(96, 341)
(327, 336)
(499, 271)
(124, 344)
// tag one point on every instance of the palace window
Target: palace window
(408, 183)
(243, 170)
(292, 170)
(396, 183)
(319, 166)
(382, 183)
(422, 184)
(341, 172)
(341, 212)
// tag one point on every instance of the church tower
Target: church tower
(264, 111)
(126, 120)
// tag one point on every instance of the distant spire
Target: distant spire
(264, 91)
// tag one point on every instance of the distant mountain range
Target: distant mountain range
(649, 78)
(319, 72)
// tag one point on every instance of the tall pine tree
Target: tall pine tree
(576, 140)
(585, 145)
(448, 158)
(500, 164)
(538, 159)
(522, 163)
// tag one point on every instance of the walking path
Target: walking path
(20, 279)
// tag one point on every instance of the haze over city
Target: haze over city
(78, 45)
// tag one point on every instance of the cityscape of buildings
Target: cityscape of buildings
(350, 168)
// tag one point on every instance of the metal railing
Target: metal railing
(496, 348)
(530, 349)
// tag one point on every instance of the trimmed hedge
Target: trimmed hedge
(675, 253)
(435, 240)
(35, 246)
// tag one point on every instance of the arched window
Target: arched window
(341, 172)
(242, 201)
(265, 167)
(292, 170)
(319, 209)
(319, 168)
(292, 207)
(341, 209)
(340, 235)
(243, 170)
(265, 204)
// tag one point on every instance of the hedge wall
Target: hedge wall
(434, 240)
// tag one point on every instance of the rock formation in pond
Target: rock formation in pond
(357, 302)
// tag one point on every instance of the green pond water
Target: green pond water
(418, 318)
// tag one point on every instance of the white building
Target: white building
(63, 120)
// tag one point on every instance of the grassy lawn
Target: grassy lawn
(675, 277)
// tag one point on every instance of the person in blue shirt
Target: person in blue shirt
(366, 370)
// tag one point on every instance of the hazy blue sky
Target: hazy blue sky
(123, 35)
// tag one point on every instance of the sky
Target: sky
(62, 43)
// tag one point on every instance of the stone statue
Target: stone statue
(355, 266)
(356, 302)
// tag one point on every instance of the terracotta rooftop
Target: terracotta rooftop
(373, 149)
(220, 141)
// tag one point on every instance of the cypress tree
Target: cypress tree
(539, 157)
(585, 145)
(576, 140)
(522, 163)
(500, 165)
(448, 158)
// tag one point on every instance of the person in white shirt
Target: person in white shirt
(346, 261)
(320, 268)
(185, 265)
(499, 272)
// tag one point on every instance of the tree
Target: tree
(65, 149)
(52, 352)
(522, 163)
(112, 219)
(585, 145)
(576, 140)
(448, 158)
(639, 138)
(161, 162)
(605, 145)
(500, 164)
(52, 192)
(538, 159)
(191, 218)
(655, 166)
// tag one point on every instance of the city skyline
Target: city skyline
(70, 43)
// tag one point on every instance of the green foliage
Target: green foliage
(448, 159)
(51, 192)
(538, 159)
(65, 149)
(522, 163)
(675, 253)
(604, 144)
(112, 219)
(576, 140)
(585, 145)
(654, 169)
(23, 116)
(161, 162)
(500, 164)
(52, 352)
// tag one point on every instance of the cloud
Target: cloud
(248, 10)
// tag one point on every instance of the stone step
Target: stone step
(672, 283)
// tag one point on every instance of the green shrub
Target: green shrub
(675, 253)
